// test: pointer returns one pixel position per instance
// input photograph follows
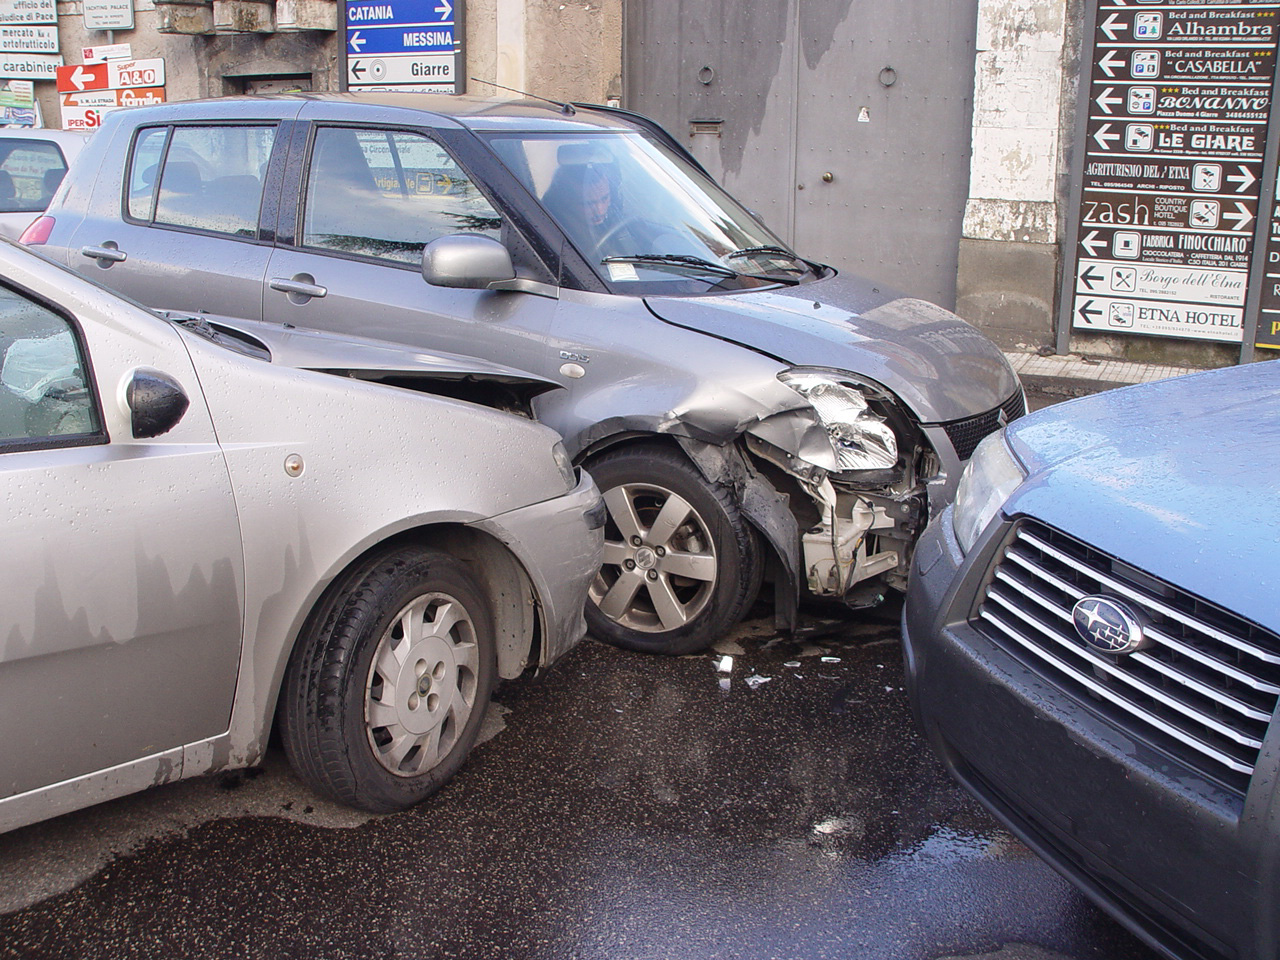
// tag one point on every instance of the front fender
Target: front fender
(768, 510)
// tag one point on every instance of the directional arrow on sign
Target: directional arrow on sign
(79, 77)
(1108, 65)
(445, 9)
(1092, 244)
(1104, 134)
(1088, 278)
(1086, 311)
(1112, 25)
(1104, 100)
(1245, 178)
(357, 41)
(357, 70)
(1241, 216)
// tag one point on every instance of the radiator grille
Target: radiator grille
(1203, 692)
(965, 435)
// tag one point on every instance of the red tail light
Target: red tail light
(38, 232)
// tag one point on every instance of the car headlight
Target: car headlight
(987, 482)
(860, 438)
(563, 461)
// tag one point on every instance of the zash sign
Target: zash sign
(1171, 167)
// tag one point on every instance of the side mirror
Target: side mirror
(466, 260)
(156, 401)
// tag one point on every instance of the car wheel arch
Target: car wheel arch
(513, 607)
(762, 504)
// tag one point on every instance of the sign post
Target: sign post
(1170, 169)
(404, 45)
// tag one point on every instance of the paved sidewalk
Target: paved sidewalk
(1104, 372)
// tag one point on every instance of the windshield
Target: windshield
(644, 217)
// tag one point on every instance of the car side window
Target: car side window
(202, 178)
(44, 384)
(386, 194)
(30, 172)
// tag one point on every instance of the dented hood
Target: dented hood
(941, 367)
(341, 353)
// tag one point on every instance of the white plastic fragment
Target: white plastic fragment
(792, 663)
(755, 681)
(724, 665)
(725, 684)
(830, 659)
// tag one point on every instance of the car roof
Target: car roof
(73, 138)
(423, 109)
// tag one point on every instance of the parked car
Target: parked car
(749, 414)
(1092, 639)
(197, 540)
(32, 166)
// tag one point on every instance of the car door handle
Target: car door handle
(298, 287)
(104, 253)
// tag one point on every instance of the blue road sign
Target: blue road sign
(400, 26)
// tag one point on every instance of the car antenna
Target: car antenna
(565, 108)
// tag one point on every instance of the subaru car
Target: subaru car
(1092, 641)
(751, 416)
(210, 534)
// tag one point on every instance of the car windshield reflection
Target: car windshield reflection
(645, 216)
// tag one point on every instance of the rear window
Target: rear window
(29, 174)
(201, 178)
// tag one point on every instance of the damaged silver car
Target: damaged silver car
(751, 416)
(209, 534)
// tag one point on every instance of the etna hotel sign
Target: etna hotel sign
(1171, 174)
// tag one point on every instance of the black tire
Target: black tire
(674, 586)
(432, 688)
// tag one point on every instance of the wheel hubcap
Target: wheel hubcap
(422, 684)
(660, 561)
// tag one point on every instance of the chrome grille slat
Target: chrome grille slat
(1146, 660)
(1128, 678)
(1144, 598)
(1213, 663)
(1203, 690)
(1097, 688)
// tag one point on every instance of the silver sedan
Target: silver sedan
(199, 542)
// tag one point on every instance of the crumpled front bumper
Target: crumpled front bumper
(560, 544)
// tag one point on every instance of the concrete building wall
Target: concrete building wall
(1024, 108)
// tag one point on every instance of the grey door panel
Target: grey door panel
(174, 269)
(123, 576)
(880, 102)
(389, 303)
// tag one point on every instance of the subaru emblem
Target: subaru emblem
(1108, 626)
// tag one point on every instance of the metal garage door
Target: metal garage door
(844, 124)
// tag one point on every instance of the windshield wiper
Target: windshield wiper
(685, 261)
(769, 248)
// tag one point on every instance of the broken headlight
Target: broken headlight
(860, 438)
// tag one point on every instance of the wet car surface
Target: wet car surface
(631, 808)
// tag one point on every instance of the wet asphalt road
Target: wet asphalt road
(630, 809)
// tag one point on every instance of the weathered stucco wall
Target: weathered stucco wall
(570, 49)
(1023, 114)
(560, 49)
